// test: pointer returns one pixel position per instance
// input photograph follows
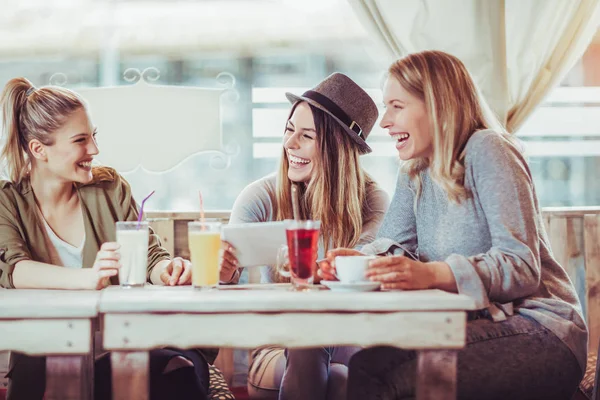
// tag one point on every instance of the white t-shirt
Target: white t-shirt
(70, 256)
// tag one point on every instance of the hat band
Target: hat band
(334, 109)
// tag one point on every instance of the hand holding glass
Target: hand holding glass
(133, 238)
(298, 259)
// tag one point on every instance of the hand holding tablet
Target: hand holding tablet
(256, 243)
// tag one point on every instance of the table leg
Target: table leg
(130, 370)
(69, 377)
(436, 375)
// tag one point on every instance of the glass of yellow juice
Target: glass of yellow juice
(205, 243)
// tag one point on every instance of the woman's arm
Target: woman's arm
(29, 274)
(503, 185)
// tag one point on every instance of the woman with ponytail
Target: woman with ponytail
(57, 229)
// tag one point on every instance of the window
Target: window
(297, 45)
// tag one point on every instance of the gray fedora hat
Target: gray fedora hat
(340, 97)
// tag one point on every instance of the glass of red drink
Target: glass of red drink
(298, 259)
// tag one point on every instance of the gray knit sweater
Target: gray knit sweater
(494, 242)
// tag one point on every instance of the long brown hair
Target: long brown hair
(337, 190)
(29, 113)
(456, 110)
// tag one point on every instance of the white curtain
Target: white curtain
(516, 50)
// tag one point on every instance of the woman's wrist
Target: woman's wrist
(157, 271)
(443, 277)
(235, 275)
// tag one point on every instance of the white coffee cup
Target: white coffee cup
(351, 269)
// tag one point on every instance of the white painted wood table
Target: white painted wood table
(137, 320)
(58, 324)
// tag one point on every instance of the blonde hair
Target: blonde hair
(29, 113)
(336, 193)
(455, 110)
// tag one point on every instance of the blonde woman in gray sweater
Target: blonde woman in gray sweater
(465, 219)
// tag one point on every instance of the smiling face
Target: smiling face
(300, 144)
(407, 121)
(70, 156)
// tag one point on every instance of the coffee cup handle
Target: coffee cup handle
(283, 262)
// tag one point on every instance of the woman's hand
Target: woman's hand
(228, 263)
(177, 271)
(400, 272)
(106, 265)
(327, 266)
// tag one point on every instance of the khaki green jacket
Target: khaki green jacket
(104, 201)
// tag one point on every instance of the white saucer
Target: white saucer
(338, 286)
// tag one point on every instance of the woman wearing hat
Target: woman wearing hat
(323, 139)
(465, 205)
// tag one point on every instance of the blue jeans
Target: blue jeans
(309, 373)
(319, 373)
(516, 359)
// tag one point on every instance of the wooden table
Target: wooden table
(58, 324)
(137, 320)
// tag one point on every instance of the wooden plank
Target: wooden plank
(165, 229)
(46, 336)
(436, 375)
(185, 299)
(130, 371)
(414, 330)
(591, 237)
(562, 235)
(224, 214)
(34, 303)
(4, 357)
(69, 377)
(570, 211)
(182, 247)
(189, 215)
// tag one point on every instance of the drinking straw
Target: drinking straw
(295, 206)
(142, 209)
(201, 210)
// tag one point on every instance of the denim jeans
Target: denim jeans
(516, 359)
(300, 374)
(308, 374)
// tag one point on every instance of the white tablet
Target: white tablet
(256, 243)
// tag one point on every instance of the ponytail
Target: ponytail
(13, 156)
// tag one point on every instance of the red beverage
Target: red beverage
(302, 247)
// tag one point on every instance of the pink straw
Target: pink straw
(142, 209)
(201, 209)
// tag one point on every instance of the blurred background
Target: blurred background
(270, 47)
